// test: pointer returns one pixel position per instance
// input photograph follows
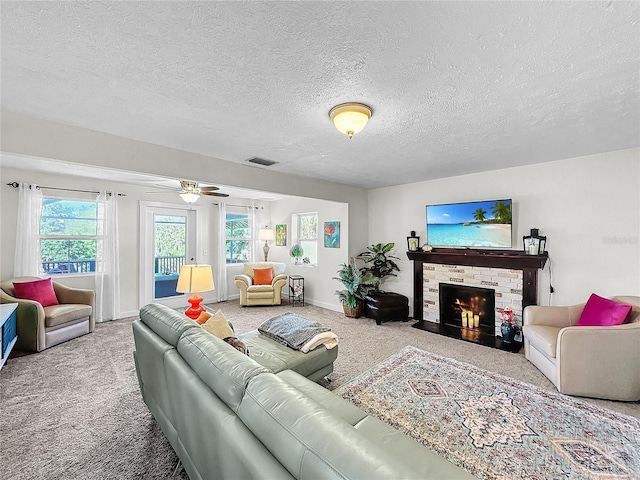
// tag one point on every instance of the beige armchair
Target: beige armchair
(41, 327)
(599, 362)
(251, 294)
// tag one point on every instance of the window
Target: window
(307, 235)
(238, 238)
(68, 236)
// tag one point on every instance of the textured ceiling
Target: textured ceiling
(456, 87)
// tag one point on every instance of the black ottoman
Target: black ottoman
(384, 306)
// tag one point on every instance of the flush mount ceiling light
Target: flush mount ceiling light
(350, 118)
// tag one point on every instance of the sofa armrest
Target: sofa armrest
(559, 317)
(29, 323)
(279, 281)
(74, 295)
(243, 281)
(600, 361)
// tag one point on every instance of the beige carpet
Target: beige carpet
(363, 344)
(74, 411)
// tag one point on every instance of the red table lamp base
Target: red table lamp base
(195, 309)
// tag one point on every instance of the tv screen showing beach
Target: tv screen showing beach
(472, 224)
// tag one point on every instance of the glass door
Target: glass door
(168, 241)
(170, 246)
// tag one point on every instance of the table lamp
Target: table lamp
(266, 234)
(194, 279)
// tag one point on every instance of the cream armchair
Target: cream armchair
(251, 294)
(41, 327)
(599, 362)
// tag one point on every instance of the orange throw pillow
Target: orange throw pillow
(262, 276)
(204, 316)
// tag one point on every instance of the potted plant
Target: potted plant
(357, 286)
(296, 252)
(379, 262)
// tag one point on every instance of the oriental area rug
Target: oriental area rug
(494, 426)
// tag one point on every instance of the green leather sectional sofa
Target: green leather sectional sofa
(228, 416)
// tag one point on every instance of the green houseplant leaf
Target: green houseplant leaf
(378, 262)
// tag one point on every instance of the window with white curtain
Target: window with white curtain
(305, 229)
(237, 237)
(68, 236)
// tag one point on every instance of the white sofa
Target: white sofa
(251, 294)
(599, 362)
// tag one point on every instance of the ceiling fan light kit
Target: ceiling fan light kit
(350, 118)
(190, 192)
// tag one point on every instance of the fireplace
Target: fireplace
(511, 274)
(457, 301)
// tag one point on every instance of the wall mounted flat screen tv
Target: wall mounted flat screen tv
(484, 224)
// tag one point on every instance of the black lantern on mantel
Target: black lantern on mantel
(534, 244)
(413, 242)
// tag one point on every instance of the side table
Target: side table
(7, 330)
(296, 289)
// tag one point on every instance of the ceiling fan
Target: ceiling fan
(190, 191)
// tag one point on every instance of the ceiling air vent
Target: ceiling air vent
(261, 161)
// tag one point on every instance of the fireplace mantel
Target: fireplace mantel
(508, 259)
(512, 259)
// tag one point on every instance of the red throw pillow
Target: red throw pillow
(602, 312)
(262, 276)
(39, 290)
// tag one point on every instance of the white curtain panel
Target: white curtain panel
(28, 261)
(107, 276)
(256, 252)
(221, 267)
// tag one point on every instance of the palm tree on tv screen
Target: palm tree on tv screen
(479, 215)
(502, 211)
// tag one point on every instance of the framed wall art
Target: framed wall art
(281, 235)
(332, 234)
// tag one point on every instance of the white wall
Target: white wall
(588, 207)
(319, 288)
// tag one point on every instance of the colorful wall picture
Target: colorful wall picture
(332, 234)
(281, 235)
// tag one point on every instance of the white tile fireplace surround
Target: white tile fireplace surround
(506, 283)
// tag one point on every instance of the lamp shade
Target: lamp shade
(266, 234)
(195, 278)
(350, 118)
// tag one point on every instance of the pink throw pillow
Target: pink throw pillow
(602, 312)
(39, 290)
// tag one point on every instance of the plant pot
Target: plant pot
(353, 312)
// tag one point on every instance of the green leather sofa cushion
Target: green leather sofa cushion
(166, 322)
(213, 443)
(150, 358)
(220, 366)
(309, 440)
(277, 357)
(336, 405)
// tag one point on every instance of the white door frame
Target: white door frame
(148, 210)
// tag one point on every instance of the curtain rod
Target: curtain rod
(16, 185)
(243, 206)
